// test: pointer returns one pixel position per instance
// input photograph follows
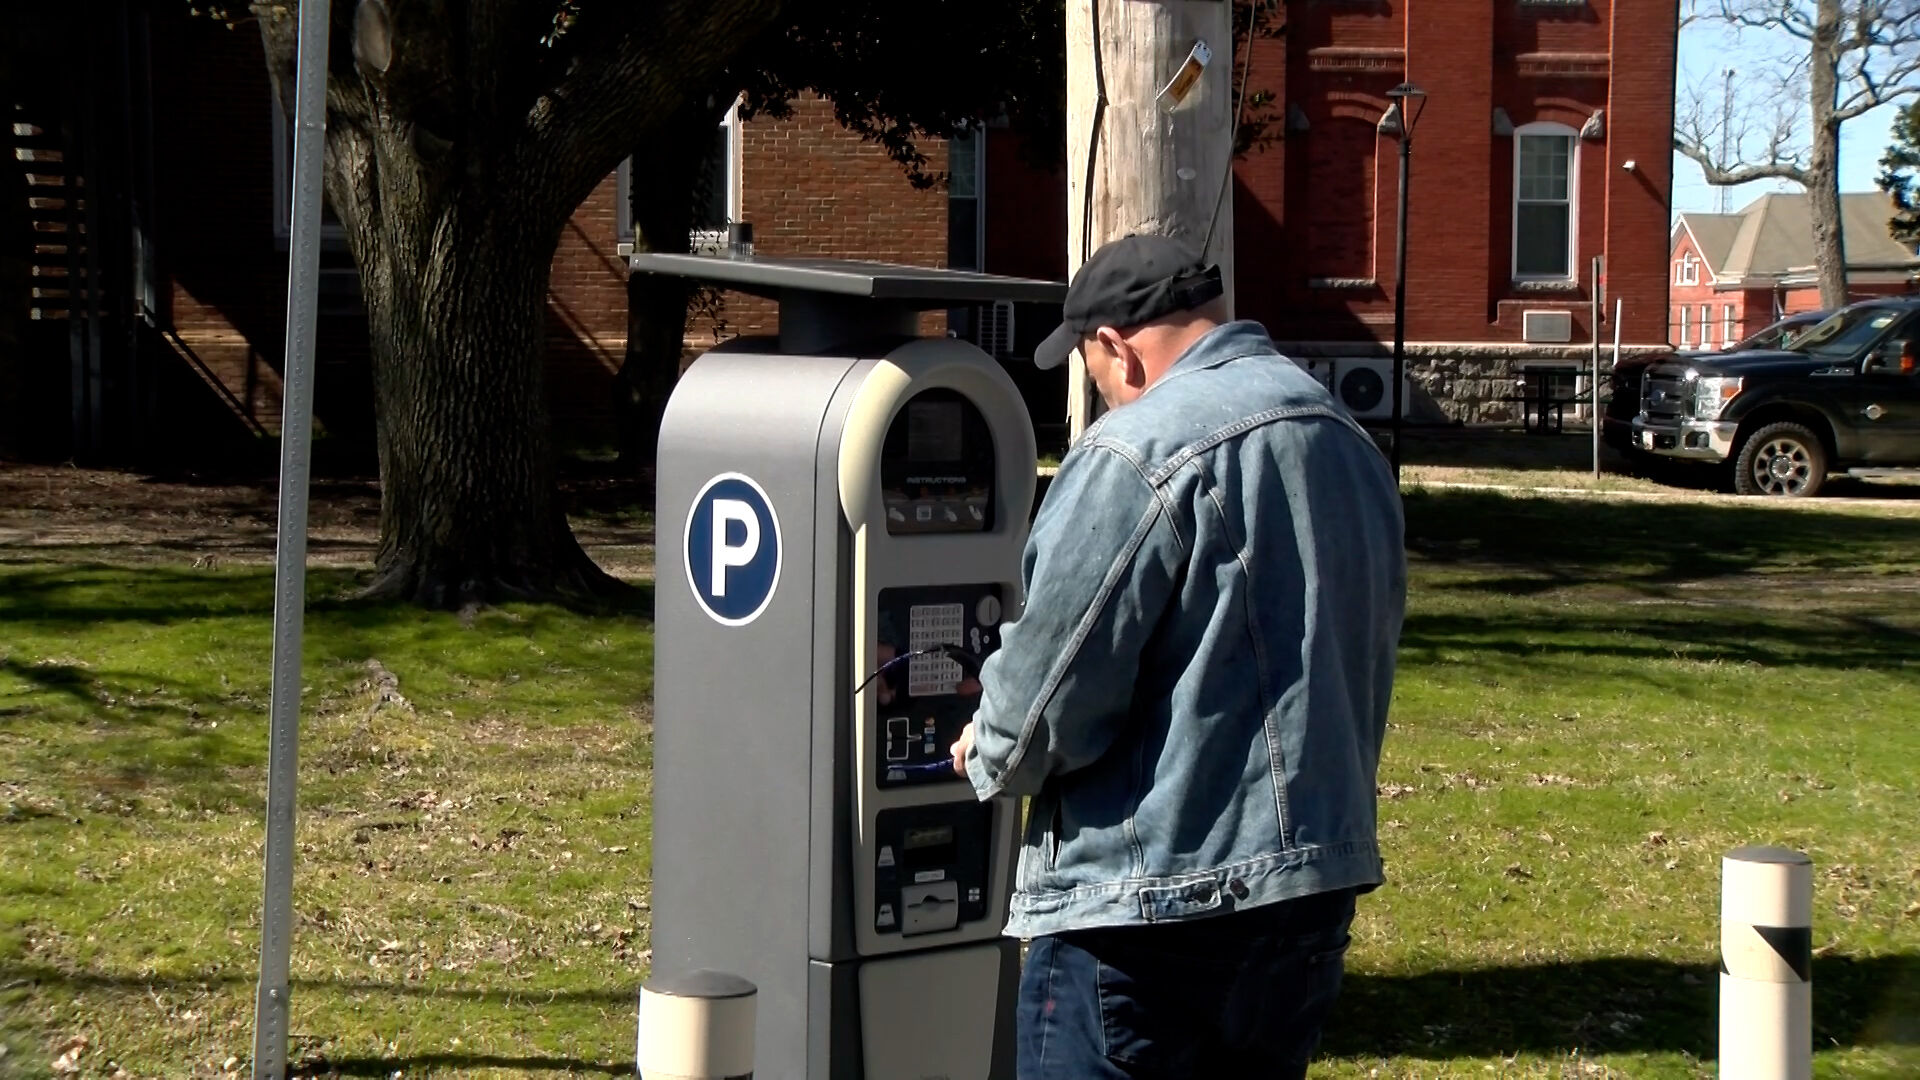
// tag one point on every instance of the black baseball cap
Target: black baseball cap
(1133, 280)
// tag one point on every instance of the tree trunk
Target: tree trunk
(1823, 169)
(455, 276)
(663, 181)
(459, 143)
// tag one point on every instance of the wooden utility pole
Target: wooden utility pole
(1137, 162)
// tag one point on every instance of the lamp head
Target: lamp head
(1404, 95)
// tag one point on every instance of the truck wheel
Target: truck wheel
(1782, 460)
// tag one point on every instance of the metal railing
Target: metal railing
(199, 367)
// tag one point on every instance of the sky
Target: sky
(1706, 51)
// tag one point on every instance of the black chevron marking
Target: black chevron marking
(1795, 946)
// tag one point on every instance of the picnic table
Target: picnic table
(1544, 391)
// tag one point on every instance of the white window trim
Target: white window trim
(697, 239)
(1689, 270)
(1683, 326)
(1726, 324)
(979, 197)
(332, 233)
(1573, 200)
(1706, 324)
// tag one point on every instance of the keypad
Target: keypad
(932, 625)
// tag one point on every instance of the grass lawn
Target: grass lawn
(1597, 700)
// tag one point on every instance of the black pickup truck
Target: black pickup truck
(1844, 395)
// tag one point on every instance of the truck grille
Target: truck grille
(1664, 397)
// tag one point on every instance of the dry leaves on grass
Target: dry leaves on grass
(68, 1063)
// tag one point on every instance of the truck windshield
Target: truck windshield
(1844, 333)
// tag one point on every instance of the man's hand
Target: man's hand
(959, 750)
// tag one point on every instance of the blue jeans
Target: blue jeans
(1242, 995)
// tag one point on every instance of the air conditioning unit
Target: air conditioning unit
(1554, 327)
(1362, 385)
(1320, 367)
(993, 329)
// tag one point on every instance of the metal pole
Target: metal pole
(1594, 386)
(290, 555)
(1726, 137)
(1597, 419)
(1766, 964)
(1400, 289)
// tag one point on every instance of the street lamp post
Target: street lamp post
(1403, 94)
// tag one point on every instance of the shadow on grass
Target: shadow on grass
(1798, 639)
(43, 976)
(158, 595)
(1498, 448)
(1562, 543)
(1606, 1005)
(184, 707)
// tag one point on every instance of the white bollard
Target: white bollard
(697, 1025)
(1766, 964)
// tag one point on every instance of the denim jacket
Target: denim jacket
(1196, 691)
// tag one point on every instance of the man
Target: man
(1195, 695)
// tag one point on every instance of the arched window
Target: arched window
(1545, 225)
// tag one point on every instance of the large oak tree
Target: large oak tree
(461, 136)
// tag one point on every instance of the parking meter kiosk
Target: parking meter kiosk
(847, 493)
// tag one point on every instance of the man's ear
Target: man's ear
(1133, 367)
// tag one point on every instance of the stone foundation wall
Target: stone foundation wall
(1466, 382)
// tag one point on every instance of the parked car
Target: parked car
(1841, 395)
(1776, 336)
(1624, 385)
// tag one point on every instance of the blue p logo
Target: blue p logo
(733, 549)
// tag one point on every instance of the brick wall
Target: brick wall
(214, 198)
(1642, 41)
(587, 322)
(1318, 206)
(811, 187)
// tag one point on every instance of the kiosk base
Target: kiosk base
(931, 1014)
(920, 1016)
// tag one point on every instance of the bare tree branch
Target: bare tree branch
(1758, 141)
(1862, 105)
(1790, 16)
(1715, 174)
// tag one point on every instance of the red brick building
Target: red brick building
(1734, 274)
(1543, 142)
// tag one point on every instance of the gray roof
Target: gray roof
(1771, 239)
(1715, 235)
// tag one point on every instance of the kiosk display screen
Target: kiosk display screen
(933, 431)
(937, 466)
